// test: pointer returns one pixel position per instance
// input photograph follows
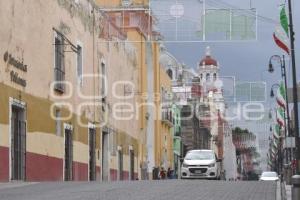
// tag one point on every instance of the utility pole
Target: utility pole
(295, 94)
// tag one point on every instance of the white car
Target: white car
(269, 176)
(200, 164)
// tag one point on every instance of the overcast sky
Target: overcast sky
(247, 61)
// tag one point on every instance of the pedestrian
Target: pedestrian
(169, 173)
(162, 173)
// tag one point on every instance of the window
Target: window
(170, 73)
(79, 64)
(118, 18)
(207, 77)
(215, 76)
(59, 68)
(103, 79)
(126, 2)
(162, 95)
(113, 147)
(58, 122)
(133, 19)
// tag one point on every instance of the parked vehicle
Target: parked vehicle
(200, 164)
(269, 176)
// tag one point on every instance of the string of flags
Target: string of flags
(281, 38)
(280, 119)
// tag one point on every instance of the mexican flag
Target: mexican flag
(275, 144)
(273, 150)
(270, 162)
(281, 96)
(280, 117)
(280, 35)
(284, 20)
(276, 133)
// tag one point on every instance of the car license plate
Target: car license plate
(198, 172)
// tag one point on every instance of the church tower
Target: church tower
(209, 70)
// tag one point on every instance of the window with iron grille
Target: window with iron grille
(103, 80)
(126, 2)
(79, 64)
(113, 143)
(59, 69)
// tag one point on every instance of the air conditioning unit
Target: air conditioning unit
(126, 3)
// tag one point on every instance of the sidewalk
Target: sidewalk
(288, 189)
(284, 191)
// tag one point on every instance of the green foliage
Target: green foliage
(242, 132)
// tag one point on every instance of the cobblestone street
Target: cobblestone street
(141, 190)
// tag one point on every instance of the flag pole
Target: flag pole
(295, 93)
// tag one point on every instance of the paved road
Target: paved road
(140, 190)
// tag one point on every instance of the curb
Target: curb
(10, 185)
(278, 191)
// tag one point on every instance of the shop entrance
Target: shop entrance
(18, 143)
(92, 160)
(68, 155)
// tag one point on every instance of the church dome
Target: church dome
(208, 60)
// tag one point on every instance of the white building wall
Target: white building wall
(230, 165)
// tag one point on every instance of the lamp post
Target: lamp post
(295, 93)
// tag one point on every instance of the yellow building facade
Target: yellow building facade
(155, 122)
(78, 92)
(164, 156)
(58, 94)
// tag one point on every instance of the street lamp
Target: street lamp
(272, 90)
(270, 114)
(272, 93)
(271, 68)
(278, 58)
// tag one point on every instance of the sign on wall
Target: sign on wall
(18, 66)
